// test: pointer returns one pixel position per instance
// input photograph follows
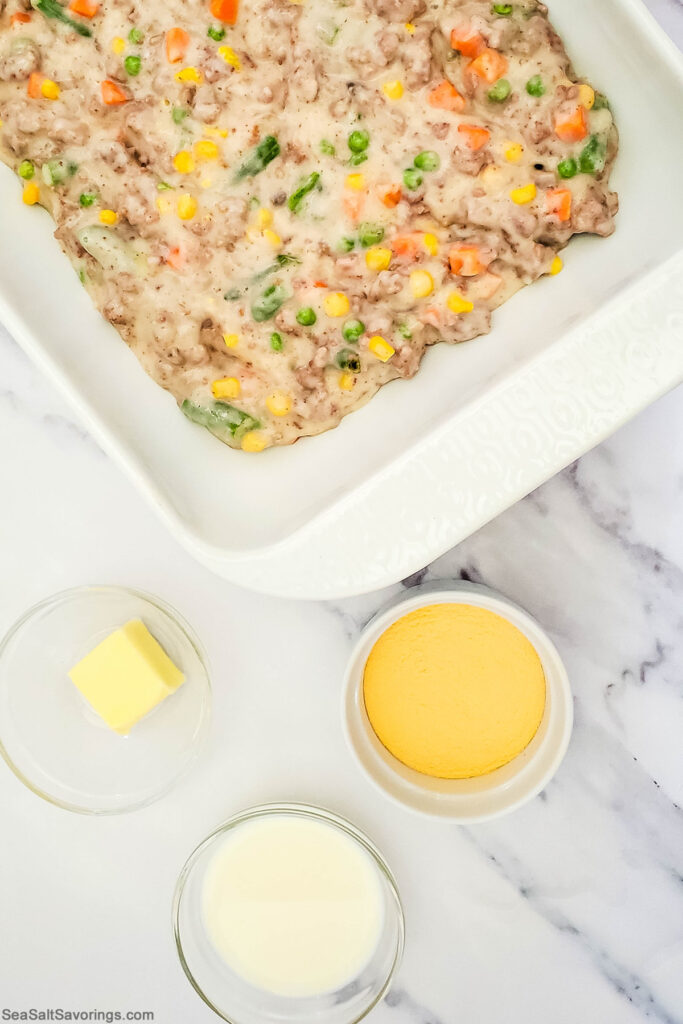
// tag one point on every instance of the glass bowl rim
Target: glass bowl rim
(314, 813)
(178, 620)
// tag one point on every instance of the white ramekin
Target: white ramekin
(462, 800)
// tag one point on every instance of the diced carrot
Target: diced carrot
(353, 206)
(33, 87)
(466, 41)
(407, 246)
(466, 260)
(112, 94)
(445, 96)
(319, 284)
(559, 202)
(474, 135)
(431, 316)
(489, 65)
(225, 10)
(177, 42)
(175, 258)
(391, 196)
(572, 128)
(86, 8)
(20, 18)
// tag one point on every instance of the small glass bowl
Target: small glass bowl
(233, 998)
(50, 736)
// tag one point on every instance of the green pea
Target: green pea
(26, 170)
(179, 114)
(504, 10)
(276, 342)
(370, 234)
(567, 168)
(306, 316)
(327, 148)
(428, 160)
(535, 86)
(346, 244)
(87, 198)
(132, 64)
(357, 158)
(412, 178)
(214, 32)
(358, 141)
(593, 156)
(136, 36)
(347, 359)
(352, 330)
(500, 91)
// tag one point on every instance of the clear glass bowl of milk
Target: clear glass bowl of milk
(288, 913)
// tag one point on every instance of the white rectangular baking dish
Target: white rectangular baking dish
(429, 461)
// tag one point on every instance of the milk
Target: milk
(293, 905)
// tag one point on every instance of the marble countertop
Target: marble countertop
(570, 910)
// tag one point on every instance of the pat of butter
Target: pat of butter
(126, 676)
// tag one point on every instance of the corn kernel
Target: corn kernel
(163, 204)
(431, 243)
(355, 181)
(230, 57)
(205, 150)
(523, 195)
(206, 183)
(186, 207)
(183, 162)
(336, 304)
(381, 348)
(513, 152)
(118, 45)
(421, 283)
(272, 238)
(457, 304)
(31, 193)
(279, 403)
(253, 441)
(49, 89)
(211, 129)
(231, 340)
(410, 28)
(378, 258)
(189, 75)
(346, 381)
(393, 90)
(556, 266)
(264, 217)
(108, 217)
(586, 96)
(491, 177)
(226, 387)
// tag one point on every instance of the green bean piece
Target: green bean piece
(215, 32)
(358, 141)
(500, 91)
(52, 9)
(136, 36)
(593, 156)
(412, 179)
(346, 244)
(269, 302)
(428, 160)
(26, 170)
(327, 148)
(357, 158)
(276, 342)
(306, 316)
(405, 331)
(179, 114)
(307, 185)
(347, 359)
(503, 10)
(132, 64)
(370, 234)
(220, 416)
(601, 102)
(567, 168)
(87, 198)
(535, 86)
(353, 330)
(259, 158)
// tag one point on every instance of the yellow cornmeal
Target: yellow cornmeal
(454, 691)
